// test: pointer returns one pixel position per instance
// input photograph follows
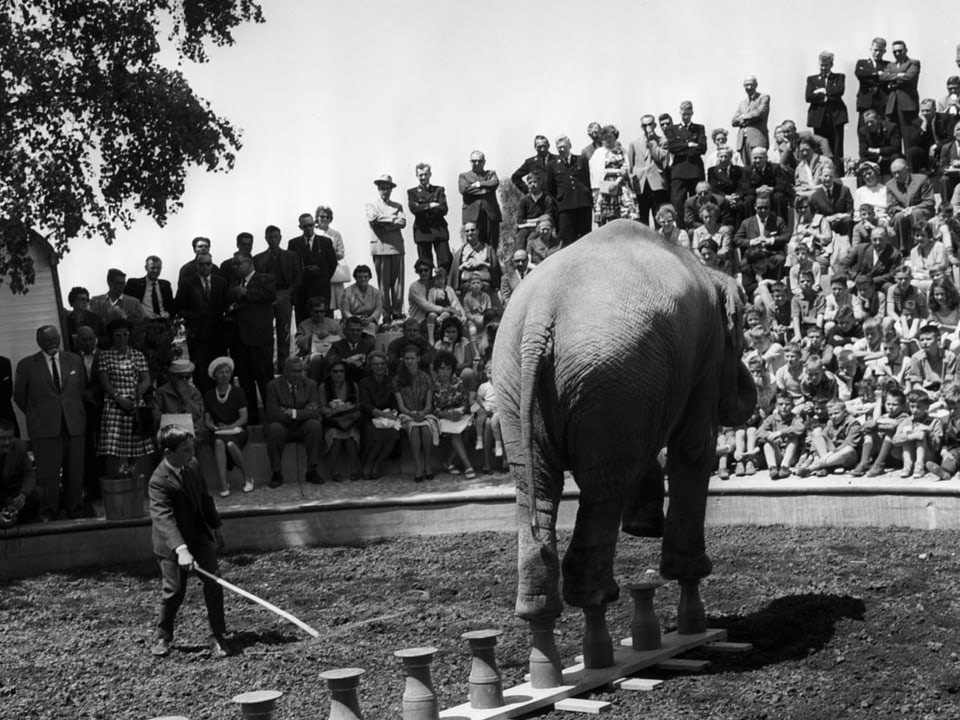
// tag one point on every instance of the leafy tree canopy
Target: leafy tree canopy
(93, 128)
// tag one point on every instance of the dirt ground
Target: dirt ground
(846, 623)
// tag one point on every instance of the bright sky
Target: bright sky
(330, 95)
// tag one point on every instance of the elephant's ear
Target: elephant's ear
(738, 394)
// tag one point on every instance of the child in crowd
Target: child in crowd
(787, 378)
(839, 297)
(476, 301)
(817, 381)
(441, 294)
(907, 324)
(814, 414)
(949, 464)
(849, 374)
(870, 346)
(780, 314)
(836, 444)
(754, 317)
(931, 367)
(807, 306)
(917, 435)
(815, 344)
(890, 367)
(760, 343)
(745, 436)
(867, 223)
(878, 434)
(725, 444)
(487, 420)
(845, 330)
(866, 301)
(803, 262)
(780, 435)
(945, 228)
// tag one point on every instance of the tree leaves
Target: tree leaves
(93, 128)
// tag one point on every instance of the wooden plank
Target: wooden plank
(638, 684)
(720, 636)
(581, 705)
(683, 665)
(577, 680)
(728, 647)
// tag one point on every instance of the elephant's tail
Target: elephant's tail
(534, 356)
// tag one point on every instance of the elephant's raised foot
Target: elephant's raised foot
(691, 616)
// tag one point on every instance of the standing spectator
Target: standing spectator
(49, 390)
(252, 296)
(649, 160)
(378, 406)
(115, 303)
(155, 294)
(18, 482)
(323, 216)
(750, 119)
(6, 394)
(568, 181)
(386, 221)
(89, 352)
(538, 163)
(201, 246)
(284, 267)
(80, 314)
(909, 202)
(125, 379)
(900, 80)
(610, 174)
(186, 531)
(244, 247)
(292, 411)
(593, 132)
(428, 203)
(202, 301)
(225, 417)
(478, 186)
(828, 113)
(318, 263)
(687, 143)
(871, 95)
(362, 300)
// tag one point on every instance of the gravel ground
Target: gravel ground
(846, 623)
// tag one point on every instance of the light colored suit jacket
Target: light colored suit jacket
(752, 114)
(128, 308)
(45, 407)
(918, 194)
(648, 163)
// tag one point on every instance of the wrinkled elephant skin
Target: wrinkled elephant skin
(610, 350)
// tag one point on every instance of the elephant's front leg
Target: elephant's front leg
(588, 563)
(538, 564)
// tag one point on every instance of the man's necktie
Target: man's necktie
(206, 288)
(243, 283)
(156, 301)
(56, 372)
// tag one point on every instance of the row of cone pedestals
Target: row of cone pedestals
(485, 682)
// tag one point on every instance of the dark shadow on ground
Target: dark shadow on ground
(789, 628)
(242, 640)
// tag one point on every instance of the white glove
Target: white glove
(185, 559)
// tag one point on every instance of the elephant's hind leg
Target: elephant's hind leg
(538, 564)
(642, 514)
(588, 563)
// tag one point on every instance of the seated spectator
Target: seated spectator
(906, 327)
(719, 137)
(476, 258)
(879, 140)
(902, 291)
(949, 460)
(225, 418)
(178, 396)
(351, 349)
(878, 435)
(924, 136)
(777, 182)
(18, 479)
(931, 367)
(780, 314)
(464, 350)
(766, 232)
(292, 411)
(757, 274)
(944, 308)
(413, 390)
(487, 421)
(872, 191)
(870, 346)
(865, 225)
(381, 421)
(441, 295)
(412, 335)
(926, 255)
(746, 450)
(710, 228)
(909, 202)
(363, 300)
(817, 381)
(945, 228)
(917, 435)
(866, 301)
(949, 165)
(834, 201)
(788, 377)
(418, 301)
(520, 267)
(810, 164)
(813, 231)
(694, 204)
(849, 373)
(806, 306)
(836, 445)
(891, 368)
(839, 297)
(725, 180)
(451, 405)
(475, 303)
(315, 336)
(533, 206)
(879, 261)
(845, 331)
(779, 436)
(542, 242)
(666, 220)
(340, 411)
(706, 251)
(759, 342)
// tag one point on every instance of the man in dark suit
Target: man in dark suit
(568, 181)
(871, 95)
(900, 80)
(352, 349)
(202, 301)
(428, 203)
(537, 163)
(687, 142)
(724, 179)
(926, 137)
(93, 469)
(879, 140)
(18, 480)
(318, 263)
(284, 266)
(834, 200)
(155, 295)
(764, 232)
(478, 186)
(251, 299)
(760, 173)
(6, 394)
(201, 246)
(115, 303)
(292, 410)
(186, 533)
(877, 259)
(704, 195)
(949, 165)
(909, 202)
(828, 113)
(49, 389)
(244, 247)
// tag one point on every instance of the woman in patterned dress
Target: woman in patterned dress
(125, 378)
(615, 198)
(451, 404)
(414, 393)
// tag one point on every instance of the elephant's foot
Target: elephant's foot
(546, 670)
(691, 616)
(647, 521)
(604, 594)
(538, 604)
(597, 643)
(674, 566)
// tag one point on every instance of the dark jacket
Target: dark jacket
(569, 183)
(182, 510)
(429, 224)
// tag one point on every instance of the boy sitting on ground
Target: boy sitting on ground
(878, 434)
(780, 435)
(950, 442)
(918, 435)
(835, 445)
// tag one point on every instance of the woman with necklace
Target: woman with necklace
(363, 300)
(341, 419)
(226, 419)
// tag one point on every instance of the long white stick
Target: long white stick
(260, 601)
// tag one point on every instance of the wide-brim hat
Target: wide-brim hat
(217, 362)
(385, 180)
(181, 367)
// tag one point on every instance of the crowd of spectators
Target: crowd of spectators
(850, 265)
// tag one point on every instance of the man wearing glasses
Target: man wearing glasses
(648, 159)
(318, 260)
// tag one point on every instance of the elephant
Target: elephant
(610, 350)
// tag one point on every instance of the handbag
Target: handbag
(342, 274)
(609, 187)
